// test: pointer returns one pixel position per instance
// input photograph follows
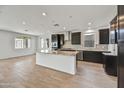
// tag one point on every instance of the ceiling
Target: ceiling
(29, 19)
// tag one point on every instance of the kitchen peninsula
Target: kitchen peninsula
(64, 61)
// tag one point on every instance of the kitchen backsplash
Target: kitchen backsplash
(97, 46)
(69, 45)
(102, 46)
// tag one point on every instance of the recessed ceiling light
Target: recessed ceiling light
(64, 28)
(89, 34)
(89, 31)
(89, 23)
(23, 22)
(44, 14)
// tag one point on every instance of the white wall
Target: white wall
(7, 44)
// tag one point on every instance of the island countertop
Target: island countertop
(84, 49)
(66, 53)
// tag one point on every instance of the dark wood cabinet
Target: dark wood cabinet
(113, 31)
(110, 64)
(121, 46)
(54, 38)
(57, 41)
(104, 36)
(121, 22)
(76, 38)
(61, 39)
(92, 56)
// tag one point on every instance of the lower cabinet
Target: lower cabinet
(110, 64)
(80, 56)
(93, 56)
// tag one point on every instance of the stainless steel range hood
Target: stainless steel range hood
(68, 36)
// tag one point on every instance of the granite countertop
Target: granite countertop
(84, 49)
(111, 54)
(66, 53)
(94, 50)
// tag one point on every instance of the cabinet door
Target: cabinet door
(76, 38)
(121, 22)
(113, 31)
(55, 41)
(92, 56)
(61, 39)
(110, 64)
(104, 36)
(54, 38)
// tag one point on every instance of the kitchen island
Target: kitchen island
(64, 61)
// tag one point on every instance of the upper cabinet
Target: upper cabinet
(76, 38)
(113, 31)
(120, 23)
(104, 36)
(54, 37)
(57, 41)
(61, 39)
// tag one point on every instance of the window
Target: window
(19, 43)
(28, 43)
(42, 42)
(22, 42)
(89, 40)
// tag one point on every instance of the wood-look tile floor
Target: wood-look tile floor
(23, 72)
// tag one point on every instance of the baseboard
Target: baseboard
(17, 56)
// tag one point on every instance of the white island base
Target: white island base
(61, 62)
